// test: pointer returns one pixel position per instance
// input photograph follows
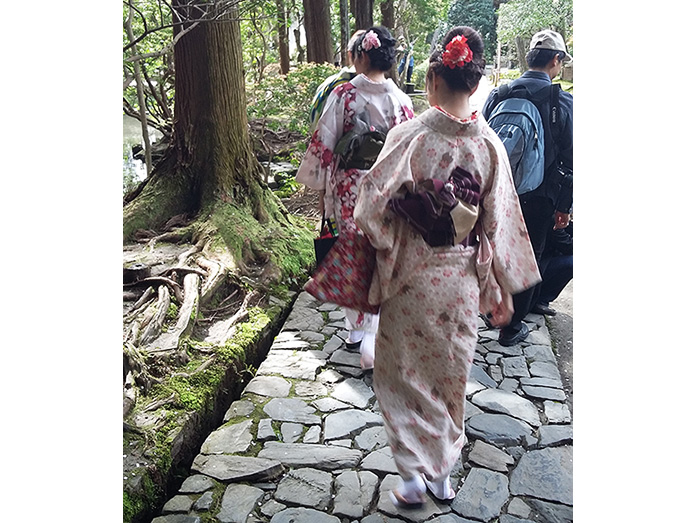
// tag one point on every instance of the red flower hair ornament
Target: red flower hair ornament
(457, 52)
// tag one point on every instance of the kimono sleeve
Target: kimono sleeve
(511, 265)
(319, 161)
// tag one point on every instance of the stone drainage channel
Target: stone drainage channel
(305, 442)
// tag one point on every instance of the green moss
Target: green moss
(134, 504)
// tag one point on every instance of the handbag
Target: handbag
(346, 272)
(325, 241)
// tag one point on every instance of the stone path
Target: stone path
(305, 443)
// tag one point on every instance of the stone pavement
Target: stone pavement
(305, 443)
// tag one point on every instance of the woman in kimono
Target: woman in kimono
(430, 297)
(368, 101)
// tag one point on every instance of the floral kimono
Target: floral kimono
(380, 106)
(430, 297)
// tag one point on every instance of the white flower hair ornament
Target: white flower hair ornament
(370, 41)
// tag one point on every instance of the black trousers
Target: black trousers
(538, 213)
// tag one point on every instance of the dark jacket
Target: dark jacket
(554, 187)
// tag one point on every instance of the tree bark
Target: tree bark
(282, 30)
(210, 157)
(363, 13)
(318, 31)
(387, 13)
(520, 52)
(345, 30)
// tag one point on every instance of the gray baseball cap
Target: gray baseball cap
(548, 39)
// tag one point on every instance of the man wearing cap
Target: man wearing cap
(550, 204)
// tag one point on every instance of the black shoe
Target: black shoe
(546, 310)
(353, 347)
(507, 338)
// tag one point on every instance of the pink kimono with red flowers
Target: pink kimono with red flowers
(430, 296)
(382, 105)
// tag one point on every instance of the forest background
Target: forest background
(63, 210)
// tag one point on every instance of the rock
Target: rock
(312, 435)
(344, 357)
(344, 423)
(543, 369)
(239, 408)
(290, 432)
(307, 487)
(354, 493)
(381, 461)
(543, 393)
(542, 382)
(229, 439)
(515, 367)
(179, 504)
(508, 403)
(313, 338)
(518, 507)
(478, 374)
(353, 391)
(334, 344)
(452, 518)
(557, 412)
(265, 431)
(196, 483)
(236, 468)
(540, 353)
(372, 438)
(482, 495)
(310, 388)
(318, 456)
(304, 515)
(428, 510)
(539, 337)
(268, 386)
(545, 474)
(330, 376)
(495, 346)
(498, 429)
(552, 512)
(329, 404)
(177, 518)
(272, 507)
(300, 365)
(509, 385)
(490, 457)
(204, 503)
(551, 435)
(293, 410)
(506, 518)
(238, 502)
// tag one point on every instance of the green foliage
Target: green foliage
(524, 18)
(287, 186)
(480, 15)
(285, 101)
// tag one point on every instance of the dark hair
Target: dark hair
(463, 78)
(538, 58)
(383, 57)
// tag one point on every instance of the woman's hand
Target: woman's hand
(501, 315)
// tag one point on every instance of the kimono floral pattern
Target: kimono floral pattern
(430, 297)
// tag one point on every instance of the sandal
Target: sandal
(353, 346)
(435, 488)
(400, 501)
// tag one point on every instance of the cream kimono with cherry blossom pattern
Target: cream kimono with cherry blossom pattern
(430, 296)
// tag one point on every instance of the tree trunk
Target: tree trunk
(210, 157)
(345, 30)
(363, 13)
(387, 12)
(318, 31)
(520, 52)
(282, 29)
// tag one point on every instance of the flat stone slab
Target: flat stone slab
(309, 455)
(371, 438)
(196, 484)
(551, 435)
(310, 389)
(229, 439)
(508, 403)
(478, 374)
(238, 502)
(545, 474)
(291, 432)
(490, 457)
(385, 505)
(344, 423)
(544, 369)
(265, 430)
(557, 412)
(381, 461)
(544, 393)
(482, 495)
(542, 382)
(344, 357)
(304, 515)
(354, 493)
(540, 353)
(180, 503)
(334, 344)
(353, 391)
(515, 367)
(307, 487)
(293, 410)
(177, 518)
(268, 386)
(239, 408)
(300, 365)
(498, 429)
(329, 405)
(236, 468)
